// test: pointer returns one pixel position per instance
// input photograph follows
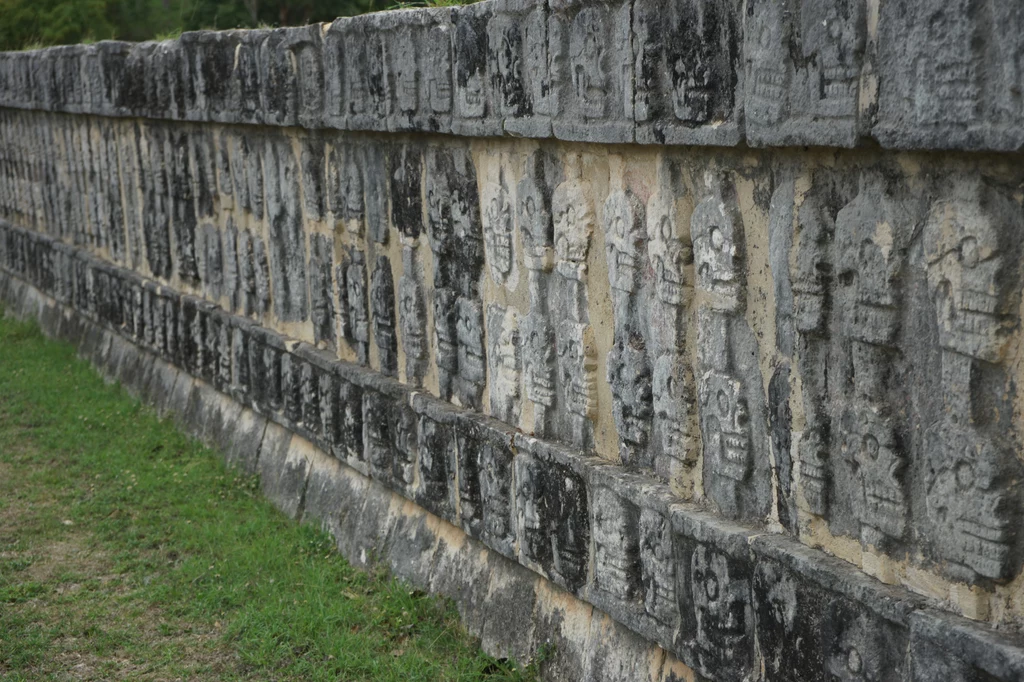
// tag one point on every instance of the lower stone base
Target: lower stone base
(515, 612)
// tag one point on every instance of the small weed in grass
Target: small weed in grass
(127, 551)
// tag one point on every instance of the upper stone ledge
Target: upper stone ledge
(908, 74)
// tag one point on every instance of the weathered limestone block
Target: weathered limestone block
(686, 72)
(591, 72)
(518, 66)
(477, 72)
(952, 79)
(803, 63)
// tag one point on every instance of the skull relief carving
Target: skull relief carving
(588, 41)
(721, 605)
(498, 227)
(667, 253)
(871, 449)
(624, 236)
(725, 416)
(964, 265)
(574, 224)
(718, 249)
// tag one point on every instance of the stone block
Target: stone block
(591, 69)
(476, 72)
(687, 75)
(949, 76)
(803, 65)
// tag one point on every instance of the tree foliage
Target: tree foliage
(36, 23)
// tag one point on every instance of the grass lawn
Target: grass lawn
(128, 552)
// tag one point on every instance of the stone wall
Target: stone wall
(757, 405)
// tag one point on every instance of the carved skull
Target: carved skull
(535, 224)
(811, 273)
(444, 327)
(498, 227)
(768, 62)
(720, 605)
(726, 418)
(504, 358)
(657, 566)
(352, 190)
(574, 224)
(670, 396)
(870, 232)
(576, 368)
(871, 449)
(968, 507)
(814, 471)
(540, 359)
(964, 266)
(629, 373)
(469, 325)
(623, 217)
(717, 249)
(412, 317)
(355, 285)
(666, 251)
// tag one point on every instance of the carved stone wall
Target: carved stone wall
(759, 406)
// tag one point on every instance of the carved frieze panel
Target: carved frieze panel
(803, 64)
(475, 110)
(616, 535)
(437, 457)
(713, 589)
(553, 519)
(378, 435)
(518, 66)
(382, 302)
(685, 64)
(933, 87)
(485, 486)
(321, 288)
(591, 63)
(504, 363)
(811, 633)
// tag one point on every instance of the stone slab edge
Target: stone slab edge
(904, 74)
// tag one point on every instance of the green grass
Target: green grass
(128, 552)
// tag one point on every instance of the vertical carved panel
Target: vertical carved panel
(382, 300)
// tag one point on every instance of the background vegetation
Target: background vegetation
(37, 23)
